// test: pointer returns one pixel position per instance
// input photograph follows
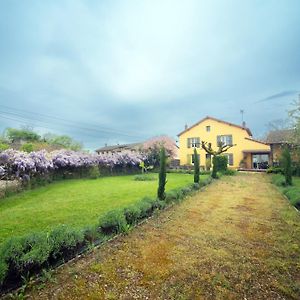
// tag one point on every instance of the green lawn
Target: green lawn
(75, 202)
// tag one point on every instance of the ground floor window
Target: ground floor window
(229, 158)
(260, 161)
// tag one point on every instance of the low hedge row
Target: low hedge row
(22, 257)
(291, 192)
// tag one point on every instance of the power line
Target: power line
(87, 127)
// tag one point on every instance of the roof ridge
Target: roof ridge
(218, 120)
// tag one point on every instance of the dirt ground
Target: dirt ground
(237, 239)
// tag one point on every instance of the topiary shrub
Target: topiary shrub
(196, 186)
(113, 222)
(64, 239)
(286, 163)
(132, 214)
(22, 255)
(171, 196)
(162, 175)
(147, 205)
(196, 167)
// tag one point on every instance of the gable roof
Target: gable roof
(120, 147)
(217, 120)
(256, 141)
(279, 136)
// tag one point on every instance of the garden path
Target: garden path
(236, 239)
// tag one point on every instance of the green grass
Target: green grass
(76, 202)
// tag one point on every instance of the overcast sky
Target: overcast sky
(122, 71)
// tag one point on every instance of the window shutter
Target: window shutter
(230, 159)
(218, 140)
(230, 139)
(198, 142)
(189, 143)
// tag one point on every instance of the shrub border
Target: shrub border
(65, 244)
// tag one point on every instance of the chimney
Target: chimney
(186, 127)
(244, 124)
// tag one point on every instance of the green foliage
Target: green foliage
(3, 146)
(219, 165)
(215, 167)
(113, 222)
(278, 180)
(93, 172)
(64, 238)
(196, 186)
(14, 135)
(293, 194)
(63, 141)
(286, 163)
(196, 167)
(162, 175)
(275, 170)
(27, 147)
(146, 207)
(132, 214)
(229, 172)
(144, 177)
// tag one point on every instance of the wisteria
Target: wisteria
(18, 164)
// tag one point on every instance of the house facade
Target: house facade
(247, 153)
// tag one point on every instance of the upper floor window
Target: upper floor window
(193, 142)
(208, 128)
(224, 139)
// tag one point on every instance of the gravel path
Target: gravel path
(237, 239)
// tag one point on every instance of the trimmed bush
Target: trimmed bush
(113, 222)
(147, 205)
(63, 239)
(22, 255)
(286, 163)
(144, 177)
(196, 167)
(132, 214)
(229, 172)
(162, 175)
(196, 186)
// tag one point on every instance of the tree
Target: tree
(63, 141)
(162, 174)
(221, 149)
(286, 162)
(196, 167)
(24, 134)
(152, 148)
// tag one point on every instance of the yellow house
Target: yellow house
(247, 153)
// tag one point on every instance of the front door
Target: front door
(260, 161)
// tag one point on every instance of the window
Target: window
(224, 139)
(193, 158)
(229, 158)
(208, 128)
(193, 142)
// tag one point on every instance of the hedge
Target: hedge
(25, 256)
